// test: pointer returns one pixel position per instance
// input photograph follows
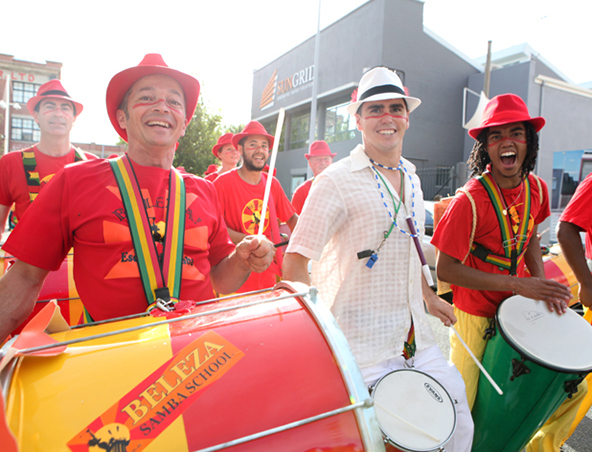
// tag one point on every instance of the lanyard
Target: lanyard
(160, 274)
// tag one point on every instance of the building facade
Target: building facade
(391, 33)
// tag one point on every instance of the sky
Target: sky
(222, 42)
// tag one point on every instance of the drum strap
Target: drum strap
(31, 173)
(514, 245)
(160, 273)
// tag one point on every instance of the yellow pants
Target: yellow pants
(472, 329)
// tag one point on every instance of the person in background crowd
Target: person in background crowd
(319, 158)
(241, 192)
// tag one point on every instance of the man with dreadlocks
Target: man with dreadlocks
(469, 235)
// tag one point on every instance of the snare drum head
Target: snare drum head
(414, 411)
(556, 341)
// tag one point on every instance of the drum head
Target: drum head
(414, 411)
(558, 342)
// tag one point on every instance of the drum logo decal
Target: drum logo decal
(142, 414)
(431, 391)
(532, 316)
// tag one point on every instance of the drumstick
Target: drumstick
(382, 407)
(493, 383)
(425, 268)
(276, 144)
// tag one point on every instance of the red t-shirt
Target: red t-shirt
(82, 208)
(13, 181)
(241, 205)
(211, 177)
(300, 195)
(579, 212)
(452, 236)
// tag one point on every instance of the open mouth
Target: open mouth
(158, 124)
(386, 132)
(508, 158)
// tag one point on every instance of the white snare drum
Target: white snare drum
(414, 411)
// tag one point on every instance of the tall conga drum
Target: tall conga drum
(264, 372)
(530, 358)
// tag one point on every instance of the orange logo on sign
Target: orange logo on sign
(147, 410)
(268, 96)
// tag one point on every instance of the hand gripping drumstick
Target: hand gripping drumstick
(425, 268)
(276, 144)
(493, 383)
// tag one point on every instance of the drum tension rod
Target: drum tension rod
(491, 331)
(519, 368)
(571, 387)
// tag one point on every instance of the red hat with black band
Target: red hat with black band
(55, 89)
(152, 64)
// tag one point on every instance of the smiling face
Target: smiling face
(255, 152)
(383, 124)
(55, 116)
(318, 163)
(228, 155)
(155, 113)
(507, 149)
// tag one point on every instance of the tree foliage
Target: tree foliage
(195, 147)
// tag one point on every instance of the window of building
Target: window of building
(23, 129)
(299, 130)
(296, 180)
(23, 91)
(339, 124)
(270, 127)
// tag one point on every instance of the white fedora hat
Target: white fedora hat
(381, 84)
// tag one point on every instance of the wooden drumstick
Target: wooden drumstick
(493, 383)
(276, 144)
(382, 407)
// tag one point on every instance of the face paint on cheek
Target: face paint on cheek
(386, 114)
(514, 140)
(51, 110)
(150, 104)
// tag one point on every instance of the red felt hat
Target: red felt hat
(318, 148)
(222, 141)
(266, 170)
(53, 88)
(252, 128)
(150, 65)
(211, 169)
(506, 109)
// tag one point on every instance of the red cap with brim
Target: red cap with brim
(150, 65)
(222, 141)
(252, 128)
(318, 148)
(55, 89)
(506, 109)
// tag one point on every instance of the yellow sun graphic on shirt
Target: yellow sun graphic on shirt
(251, 216)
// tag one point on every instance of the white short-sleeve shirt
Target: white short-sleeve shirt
(343, 215)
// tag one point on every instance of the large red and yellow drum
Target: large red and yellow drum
(557, 268)
(264, 372)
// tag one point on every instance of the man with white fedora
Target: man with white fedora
(319, 158)
(241, 192)
(487, 240)
(365, 263)
(25, 173)
(132, 217)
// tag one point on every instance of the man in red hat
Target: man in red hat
(319, 157)
(226, 153)
(482, 272)
(23, 174)
(142, 231)
(241, 192)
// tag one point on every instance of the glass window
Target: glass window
(297, 179)
(24, 130)
(299, 129)
(23, 91)
(339, 124)
(270, 127)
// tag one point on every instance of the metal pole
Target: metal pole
(315, 88)
(487, 70)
